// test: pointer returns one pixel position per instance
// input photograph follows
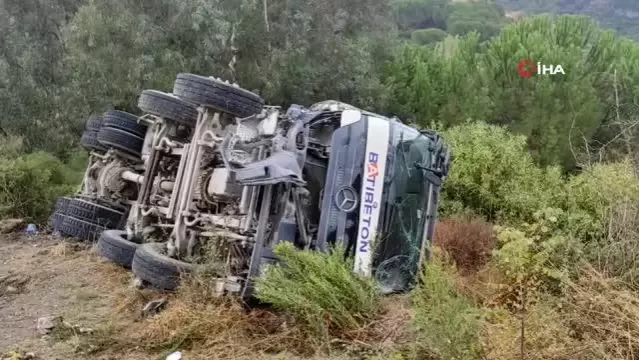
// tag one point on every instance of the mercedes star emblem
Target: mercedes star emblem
(346, 199)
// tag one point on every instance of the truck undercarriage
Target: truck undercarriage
(211, 177)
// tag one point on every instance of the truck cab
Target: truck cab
(377, 183)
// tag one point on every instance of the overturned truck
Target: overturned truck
(210, 177)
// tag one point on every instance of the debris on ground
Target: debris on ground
(153, 307)
(138, 283)
(175, 356)
(46, 324)
(32, 229)
(11, 225)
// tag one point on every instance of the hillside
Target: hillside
(621, 15)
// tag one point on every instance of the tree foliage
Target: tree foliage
(62, 61)
(560, 115)
(461, 18)
(428, 36)
(620, 15)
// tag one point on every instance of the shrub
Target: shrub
(76, 163)
(470, 244)
(540, 251)
(598, 190)
(319, 291)
(447, 323)
(604, 201)
(428, 36)
(29, 184)
(494, 175)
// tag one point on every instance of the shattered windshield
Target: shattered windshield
(404, 212)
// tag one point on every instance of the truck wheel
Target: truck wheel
(121, 140)
(114, 245)
(89, 141)
(159, 270)
(56, 220)
(124, 121)
(94, 123)
(61, 204)
(94, 213)
(60, 208)
(213, 93)
(168, 106)
(79, 229)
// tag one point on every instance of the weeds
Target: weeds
(447, 323)
(319, 291)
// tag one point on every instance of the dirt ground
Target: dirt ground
(43, 276)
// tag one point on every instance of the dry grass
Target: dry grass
(209, 327)
(618, 254)
(605, 315)
(390, 333)
(597, 320)
(468, 242)
(215, 328)
(545, 336)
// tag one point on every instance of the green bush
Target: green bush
(494, 175)
(428, 36)
(606, 198)
(319, 290)
(544, 251)
(600, 188)
(76, 163)
(447, 322)
(29, 185)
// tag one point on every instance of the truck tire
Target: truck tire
(114, 246)
(124, 121)
(56, 220)
(213, 93)
(79, 229)
(94, 213)
(94, 123)
(161, 271)
(168, 106)
(89, 141)
(121, 140)
(61, 204)
(59, 210)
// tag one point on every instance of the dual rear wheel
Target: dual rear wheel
(84, 219)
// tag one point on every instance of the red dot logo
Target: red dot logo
(526, 68)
